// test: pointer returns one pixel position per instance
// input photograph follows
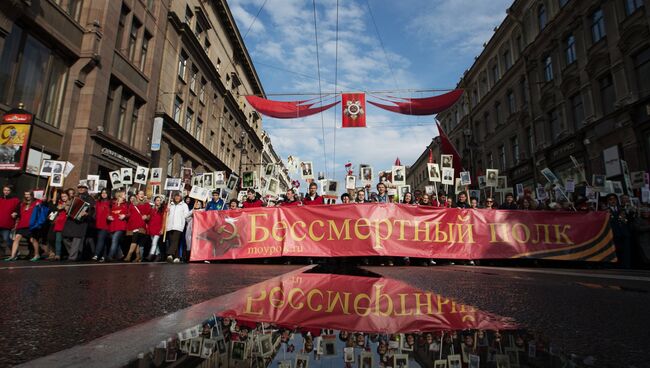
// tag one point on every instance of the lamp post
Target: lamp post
(242, 152)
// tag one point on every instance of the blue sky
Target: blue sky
(426, 45)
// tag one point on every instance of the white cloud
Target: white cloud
(422, 41)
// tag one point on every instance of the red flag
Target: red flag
(431, 156)
(448, 149)
(398, 162)
(354, 110)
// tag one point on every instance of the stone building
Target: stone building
(559, 78)
(97, 73)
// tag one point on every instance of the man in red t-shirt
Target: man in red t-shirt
(22, 227)
(312, 197)
(251, 200)
(8, 213)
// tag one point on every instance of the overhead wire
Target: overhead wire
(381, 43)
(336, 76)
(320, 89)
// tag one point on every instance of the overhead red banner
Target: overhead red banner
(354, 110)
(401, 231)
(421, 106)
(353, 303)
(287, 109)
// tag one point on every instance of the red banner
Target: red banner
(353, 303)
(403, 231)
(354, 110)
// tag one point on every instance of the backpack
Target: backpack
(39, 216)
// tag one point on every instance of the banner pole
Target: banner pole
(38, 174)
(442, 339)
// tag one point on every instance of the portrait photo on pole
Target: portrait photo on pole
(56, 180)
(208, 180)
(306, 170)
(269, 170)
(350, 182)
(332, 187)
(46, 168)
(366, 175)
(399, 175)
(502, 182)
(197, 180)
(93, 183)
(481, 182)
(156, 175)
(232, 181)
(127, 175)
(447, 176)
(116, 179)
(465, 178)
(434, 172)
(446, 161)
(248, 179)
(173, 184)
(219, 178)
(492, 178)
(141, 175)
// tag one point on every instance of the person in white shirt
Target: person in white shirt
(177, 212)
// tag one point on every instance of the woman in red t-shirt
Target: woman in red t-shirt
(59, 222)
(22, 227)
(102, 210)
(156, 227)
(118, 219)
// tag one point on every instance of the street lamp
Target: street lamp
(242, 149)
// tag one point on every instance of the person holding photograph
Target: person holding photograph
(60, 208)
(252, 199)
(102, 211)
(76, 229)
(9, 208)
(177, 212)
(216, 203)
(117, 224)
(198, 207)
(312, 198)
(24, 215)
(139, 214)
(155, 229)
(621, 231)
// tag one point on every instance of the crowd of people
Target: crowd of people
(128, 226)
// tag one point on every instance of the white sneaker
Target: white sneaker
(170, 259)
(94, 258)
(471, 263)
(177, 260)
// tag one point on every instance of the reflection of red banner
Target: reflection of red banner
(401, 230)
(352, 303)
(354, 110)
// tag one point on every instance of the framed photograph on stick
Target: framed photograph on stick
(306, 170)
(156, 175)
(173, 184)
(141, 175)
(447, 176)
(350, 182)
(434, 172)
(127, 175)
(447, 161)
(116, 179)
(399, 175)
(491, 178)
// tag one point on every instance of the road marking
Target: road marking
(567, 273)
(79, 265)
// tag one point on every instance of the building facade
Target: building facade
(97, 73)
(559, 78)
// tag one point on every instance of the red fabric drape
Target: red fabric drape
(286, 109)
(448, 149)
(422, 106)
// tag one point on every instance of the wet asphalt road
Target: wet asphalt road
(599, 313)
(47, 309)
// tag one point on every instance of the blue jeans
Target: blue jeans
(5, 235)
(115, 244)
(58, 243)
(102, 235)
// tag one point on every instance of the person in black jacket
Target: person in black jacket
(75, 230)
(509, 203)
(462, 201)
(619, 222)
